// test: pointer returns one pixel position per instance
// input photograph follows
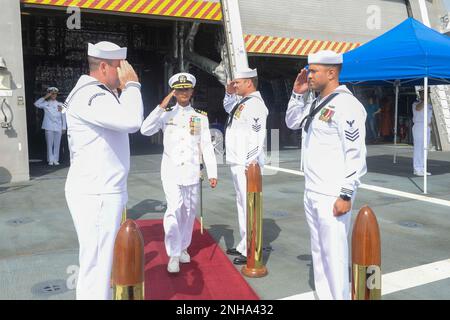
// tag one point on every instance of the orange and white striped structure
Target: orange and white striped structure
(291, 46)
(193, 9)
(207, 11)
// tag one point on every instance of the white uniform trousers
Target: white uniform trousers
(180, 215)
(53, 139)
(418, 146)
(329, 246)
(240, 186)
(97, 220)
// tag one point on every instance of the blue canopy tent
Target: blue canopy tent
(410, 53)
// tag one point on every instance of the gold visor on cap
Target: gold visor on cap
(182, 82)
(185, 85)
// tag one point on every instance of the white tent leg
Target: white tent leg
(425, 132)
(395, 121)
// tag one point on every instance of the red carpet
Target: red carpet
(209, 275)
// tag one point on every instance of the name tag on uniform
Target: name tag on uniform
(195, 125)
(326, 114)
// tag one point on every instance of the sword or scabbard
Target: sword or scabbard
(201, 188)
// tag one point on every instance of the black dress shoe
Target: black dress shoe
(240, 260)
(233, 252)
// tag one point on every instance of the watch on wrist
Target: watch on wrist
(345, 197)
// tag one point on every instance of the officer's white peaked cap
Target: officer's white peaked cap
(107, 50)
(245, 73)
(325, 57)
(52, 90)
(182, 80)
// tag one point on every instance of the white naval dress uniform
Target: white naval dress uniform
(53, 124)
(334, 154)
(417, 130)
(244, 142)
(96, 188)
(186, 138)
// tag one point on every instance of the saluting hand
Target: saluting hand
(213, 183)
(230, 87)
(341, 207)
(166, 100)
(126, 73)
(301, 82)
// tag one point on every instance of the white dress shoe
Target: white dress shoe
(56, 163)
(50, 163)
(174, 265)
(185, 257)
(420, 174)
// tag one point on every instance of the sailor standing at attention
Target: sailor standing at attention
(186, 140)
(334, 160)
(244, 141)
(98, 123)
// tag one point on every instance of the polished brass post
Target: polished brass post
(254, 267)
(128, 263)
(366, 257)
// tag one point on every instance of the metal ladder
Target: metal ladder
(440, 99)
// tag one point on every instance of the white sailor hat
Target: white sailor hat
(182, 80)
(52, 90)
(2, 63)
(107, 50)
(325, 57)
(245, 73)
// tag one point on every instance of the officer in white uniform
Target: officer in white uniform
(334, 160)
(54, 123)
(186, 139)
(244, 141)
(99, 123)
(417, 130)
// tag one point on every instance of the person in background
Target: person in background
(54, 123)
(417, 130)
(372, 110)
(386, 121)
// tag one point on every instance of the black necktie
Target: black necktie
(233, 111)
(313, 111)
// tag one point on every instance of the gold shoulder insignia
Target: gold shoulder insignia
(201, 112)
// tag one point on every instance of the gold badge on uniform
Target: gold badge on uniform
(195, 125)
(327, 114)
